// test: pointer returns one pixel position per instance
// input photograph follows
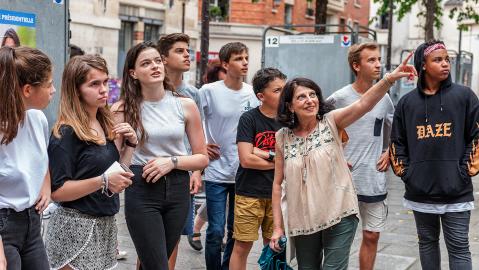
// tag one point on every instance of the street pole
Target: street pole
(205, 37)
(458, 58)
(183, 7)
(390, 35)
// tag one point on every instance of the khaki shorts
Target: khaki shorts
(373, 215)
(250, 215)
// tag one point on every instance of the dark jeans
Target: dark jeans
(155, 215)
(190, 220)
(22, 240)
(334, 244)
(216, 196)
(455, 226)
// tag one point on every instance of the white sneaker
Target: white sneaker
(51, 208)
(121, 255)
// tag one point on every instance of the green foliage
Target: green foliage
(437, 13)
(462, 13)
(465, 13)
(27, 36)
(215, 11)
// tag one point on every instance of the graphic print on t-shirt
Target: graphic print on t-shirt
(258, 130)
(265, 140)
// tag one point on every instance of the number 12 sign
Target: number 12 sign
(271, 41)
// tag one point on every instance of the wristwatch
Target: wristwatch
(175, 161)
(271, 155)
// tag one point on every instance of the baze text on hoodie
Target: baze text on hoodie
(434, 141)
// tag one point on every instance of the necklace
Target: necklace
(305, 152)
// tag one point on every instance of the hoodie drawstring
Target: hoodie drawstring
(440, 98)
(425, 116)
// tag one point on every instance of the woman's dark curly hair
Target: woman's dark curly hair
(285, 116)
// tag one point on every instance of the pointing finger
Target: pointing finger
(407, 58)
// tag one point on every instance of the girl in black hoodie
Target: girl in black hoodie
(433, 149)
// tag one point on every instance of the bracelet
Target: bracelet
(130, 144)
(105, 190)
(386, 78)
(103, 183)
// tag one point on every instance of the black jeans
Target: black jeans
(156, 214)
(455, 226)
(22, 240)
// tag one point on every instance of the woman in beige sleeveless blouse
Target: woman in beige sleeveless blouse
(314, 201)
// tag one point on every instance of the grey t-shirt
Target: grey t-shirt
(190, 91)
(164, 122)
(368, 138)
(222, 108)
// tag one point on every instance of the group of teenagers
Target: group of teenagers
(276, 156)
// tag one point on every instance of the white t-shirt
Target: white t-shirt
(222, 108)
(24, 163)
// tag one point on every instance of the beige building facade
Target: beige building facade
(112, 27)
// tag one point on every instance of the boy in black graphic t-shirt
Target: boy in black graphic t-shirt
(254, 179)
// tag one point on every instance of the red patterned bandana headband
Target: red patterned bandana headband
(430, 49)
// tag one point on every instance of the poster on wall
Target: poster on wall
(17, 29)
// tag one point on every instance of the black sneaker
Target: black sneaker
(195, 244)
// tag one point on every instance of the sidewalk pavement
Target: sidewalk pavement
(398, 248)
